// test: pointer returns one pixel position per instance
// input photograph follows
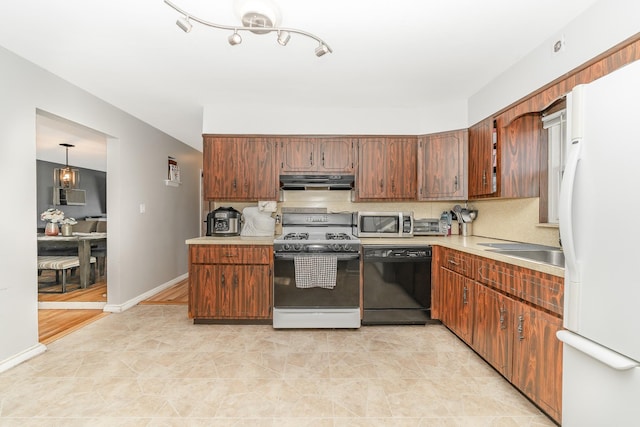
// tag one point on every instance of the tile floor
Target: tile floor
(150, 366)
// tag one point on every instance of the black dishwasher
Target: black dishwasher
(396, 285)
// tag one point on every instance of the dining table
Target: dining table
(81, 241)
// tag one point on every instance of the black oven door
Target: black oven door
(287, 293)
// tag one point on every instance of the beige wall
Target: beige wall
(512, 219)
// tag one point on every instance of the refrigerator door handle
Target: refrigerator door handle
(565, 206)
(602, 354)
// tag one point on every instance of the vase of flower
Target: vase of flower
(66, 226)
(52, 217)
(67, 230)
(51, 229)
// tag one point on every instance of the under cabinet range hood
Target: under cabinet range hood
(316, 182)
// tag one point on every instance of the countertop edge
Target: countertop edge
(233, 240)
(469, 244)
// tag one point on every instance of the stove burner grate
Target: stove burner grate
(338, 236)
(296, 236)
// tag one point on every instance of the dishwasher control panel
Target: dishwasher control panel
(397, 252)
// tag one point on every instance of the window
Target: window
(555, 124)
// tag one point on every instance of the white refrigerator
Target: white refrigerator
(600, 231)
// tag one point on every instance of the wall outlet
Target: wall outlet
(143, 208)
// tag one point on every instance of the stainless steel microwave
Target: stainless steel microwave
(383, 224)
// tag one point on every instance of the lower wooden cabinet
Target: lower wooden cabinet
(493, 328)
(457, 303)
(514, 335)
(230, 282)
(537, 358)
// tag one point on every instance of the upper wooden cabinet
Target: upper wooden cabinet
(240, 168)
(442, 166)
(520, 144)
(481, 156)
(318, 155)
(505, 158)
(387, 168)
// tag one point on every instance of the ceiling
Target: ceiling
(392, 53)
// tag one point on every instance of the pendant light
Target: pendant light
(67, 177)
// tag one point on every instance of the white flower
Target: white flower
(52, 215)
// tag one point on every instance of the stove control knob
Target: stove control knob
(297, 247)
(286, 247)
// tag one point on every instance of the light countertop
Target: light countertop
(470, 244)
(231, 240)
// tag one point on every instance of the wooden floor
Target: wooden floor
(177, 294)
(96, 292)
(54, 324)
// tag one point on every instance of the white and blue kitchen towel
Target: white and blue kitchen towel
(316, 271)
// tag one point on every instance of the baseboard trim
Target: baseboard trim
(23, 356)
(66, 305)
(119, 308)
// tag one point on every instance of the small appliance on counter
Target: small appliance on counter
(224, 222)
(383, 224)
(433, 226)
(257, 220)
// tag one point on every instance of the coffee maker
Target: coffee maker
(224, 222)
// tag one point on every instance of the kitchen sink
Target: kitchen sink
(517, 246)
(547, 256)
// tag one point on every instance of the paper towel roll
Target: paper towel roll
(268, 206)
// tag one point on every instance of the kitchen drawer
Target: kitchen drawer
(459, 262)
(230, 254)
(499, 276)
(541, 289)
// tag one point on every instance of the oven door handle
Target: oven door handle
(341, 257)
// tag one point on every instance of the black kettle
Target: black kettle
(224, 222)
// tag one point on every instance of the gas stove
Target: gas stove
(317, 233)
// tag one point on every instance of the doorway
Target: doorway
(85, 149)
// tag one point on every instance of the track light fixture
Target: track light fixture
(184, 24)
(322, 49)
(283, 37)
(235, 38)
(255, 22)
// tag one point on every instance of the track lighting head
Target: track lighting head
(256, 22)
(184, 24)
(283, 37)
(235, 38)
(322, 49)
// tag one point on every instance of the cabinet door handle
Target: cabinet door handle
(323, 159)
(464, 296)
(521, 328)
(455, 183)
(503, 311)
(223, 280)
(234, 282)
(484, 178)
(311, 158)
